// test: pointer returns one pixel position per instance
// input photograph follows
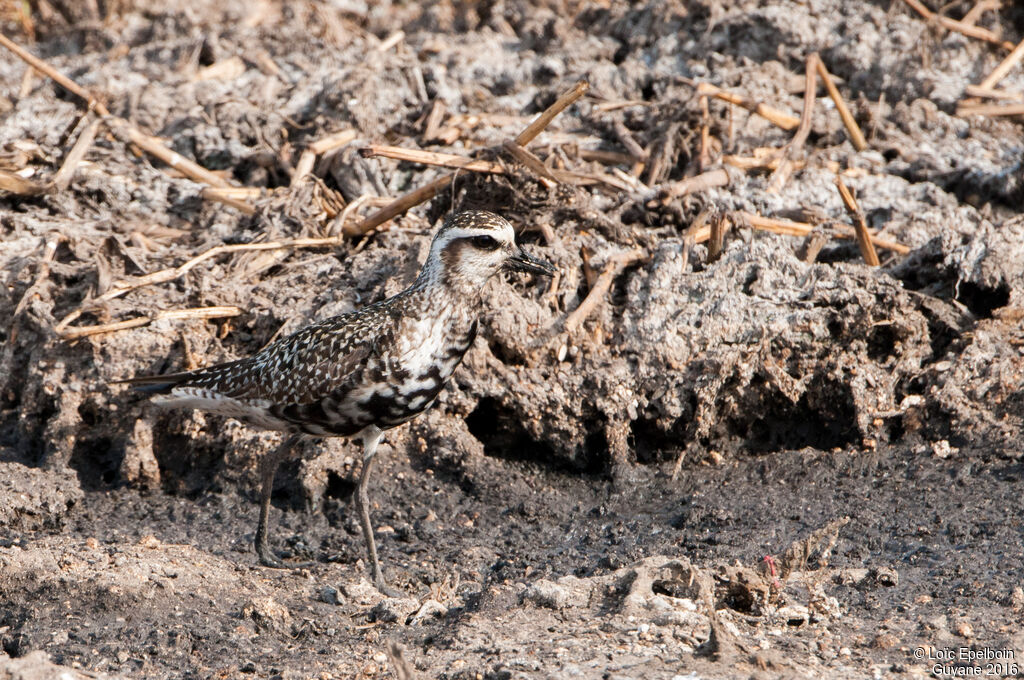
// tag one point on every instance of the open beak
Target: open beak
(524, 262)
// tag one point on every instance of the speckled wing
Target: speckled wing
(307, 366)
(287, 381)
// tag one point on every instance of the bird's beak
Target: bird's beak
(524, 262)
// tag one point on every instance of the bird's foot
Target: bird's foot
(384, 589)
(268, 558)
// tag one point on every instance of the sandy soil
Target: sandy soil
(760, 462)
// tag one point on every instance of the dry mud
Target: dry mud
(593, 504)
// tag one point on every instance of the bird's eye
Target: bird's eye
(485, 242)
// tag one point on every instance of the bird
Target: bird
(362, 373)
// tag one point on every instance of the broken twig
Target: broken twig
(531, 163)
(447, 160)
(62, 179)
(191, 313)
(856, 136)
(786, 227)
(963, 110)
(867, 249)
(782, 173)
(615, 264)
(691, 185)
(545, 118)
(16, 184)
(969, 30)
(1004, 67)
(428, 191)
(321, 146)
(993, 93)
(119, 288)
(147, 143)
(233, 196)
(769, 113)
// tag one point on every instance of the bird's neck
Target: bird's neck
(437, 282)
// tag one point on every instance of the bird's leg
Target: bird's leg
(268, 469)
(371, 437)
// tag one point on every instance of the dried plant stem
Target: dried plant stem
(433, 121)
(119, 288)
(980, 8)
(154, 147)
(691, 185)
(790, 228)
(332, 141)
(606, 157)
(989, 110)
(867, 249)
(321, 146)
(704, 157)
(16, 184)
(63, 177)
(699, 231)
(811, 247)
(237, 193)
(992, 93)
(147, 143)
(771, 114)
(47, 70)
(42, 271)
(447, 160)
(614, 265)
(531, 163)
(545, 118)
(191, 313)
(627, 140)
(307, 159)
(716, 236)
(770, 162)
(782, 173)
(391, 41)
(1011, 60)
(624, 104)
(856, 136)
(229, 196)
(399, 206)
(428, 191)
(969, 30)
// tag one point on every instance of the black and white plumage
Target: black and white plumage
(364, 372)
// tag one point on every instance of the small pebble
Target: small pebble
(330, 595)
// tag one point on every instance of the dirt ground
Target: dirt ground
(765, 461)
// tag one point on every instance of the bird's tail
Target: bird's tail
(156, 384)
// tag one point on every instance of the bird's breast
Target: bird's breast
(410, 374)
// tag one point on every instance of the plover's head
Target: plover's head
(474, 245)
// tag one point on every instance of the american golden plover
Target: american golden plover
(365, 372)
